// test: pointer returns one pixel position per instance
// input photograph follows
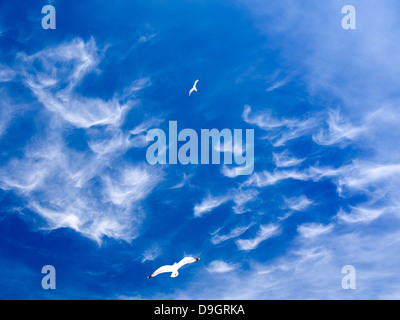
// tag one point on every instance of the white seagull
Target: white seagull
(174, 268)
(194, 87)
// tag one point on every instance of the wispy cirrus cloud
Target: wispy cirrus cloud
(145, 126)
(280, 131)
(312, 230)
(300, 203)
(278, 84)
(130, 184)
(375, 181)
(234, 233)
(147, 37)
(57, 184)
(6, 73)
(208, 204)
(285, 159)
(8, 111)
(79, 189)
(291, 205)
(233, 172)
(265, 232)
(363, 214)
(240, 198)
(109, 141)
(219, 266)
(151, 253)
(293, 275)
(338, 131)
(265, 120)
(53, 75)
(265, 178)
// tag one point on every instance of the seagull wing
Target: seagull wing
(191, 90)
(186, 261)
(196, 82)
(162, 269)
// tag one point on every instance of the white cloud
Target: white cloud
(240, 198)
(285, 159)
(109, 141)
(53, 75)
(208, 204)
(301, 128)
(234, 233)
(85, 191)
(218, 266)
(131, 184)
(361, 175)
(361, 214)
(264, 120)
(278, 84)
(147, 37)
(184, 181)
(6, 73)
(8, 111)
(145, 126)
(300, 203)
(233, 172)
(338, 131)
(280, 131)
(265, 178)
(56, 183)
(151, 254)
(134, 89)
(312, 230)
(312, 270)
(265, 232)
(375, 181)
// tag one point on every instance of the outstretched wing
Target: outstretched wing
(162, 269)
(196, 82)
(190, 92)
(186, 261)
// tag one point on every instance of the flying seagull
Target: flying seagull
(174, 268)
(194, 87)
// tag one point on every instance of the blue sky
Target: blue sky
(77, 193)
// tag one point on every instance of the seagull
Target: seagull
(174, 268)
(194, 87)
